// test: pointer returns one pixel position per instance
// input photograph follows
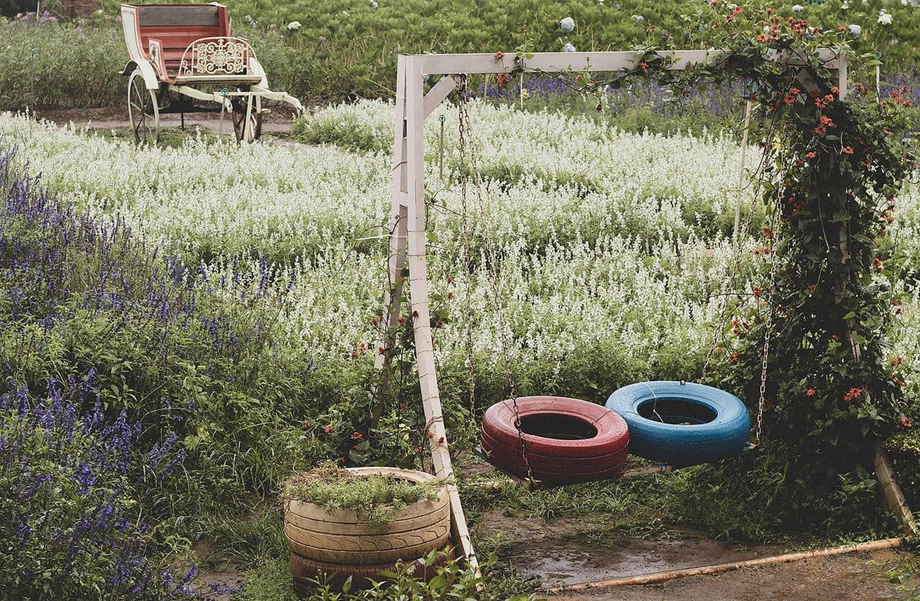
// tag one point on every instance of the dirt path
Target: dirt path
(845, 578)
(568, 551)
(278, 122)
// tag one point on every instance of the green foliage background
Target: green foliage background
(345, 49)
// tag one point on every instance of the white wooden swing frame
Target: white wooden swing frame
(407, 238)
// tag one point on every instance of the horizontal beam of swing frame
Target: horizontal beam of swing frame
(407, 240)
(486, 64)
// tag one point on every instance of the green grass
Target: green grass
(346, 49)
(379, 496)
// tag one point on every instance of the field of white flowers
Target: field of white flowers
(615, 247)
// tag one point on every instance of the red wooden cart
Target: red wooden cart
(182, 53)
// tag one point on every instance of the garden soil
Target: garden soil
(277, 122)
(564, 552)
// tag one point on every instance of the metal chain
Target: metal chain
(467, 268)
(736, 261)
(466, 138)
(766, 344)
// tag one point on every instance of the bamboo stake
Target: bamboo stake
(889, 543)
(744, 145)
(891, 490)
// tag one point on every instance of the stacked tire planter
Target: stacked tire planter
(341, 543)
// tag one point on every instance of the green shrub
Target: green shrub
(192, 359)
(344, 49)
(70, 522)
(60, 65)
(379, 496)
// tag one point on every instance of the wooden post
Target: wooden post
(407, 245)
(396, 246)
(894, 496)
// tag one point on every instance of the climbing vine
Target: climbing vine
(831, 171)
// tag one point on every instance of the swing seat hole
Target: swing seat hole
(557, 426)
(678, 412)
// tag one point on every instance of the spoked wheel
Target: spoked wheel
(254, 131)
(143, 111)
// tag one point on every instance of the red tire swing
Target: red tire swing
(555, 440)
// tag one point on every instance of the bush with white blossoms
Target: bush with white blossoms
(568, 47)
(567, 24)
(855, 31)
(797, 8)
(884, 17)
(294, 25)
(632, 232)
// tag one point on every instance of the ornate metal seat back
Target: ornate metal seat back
(217, 57)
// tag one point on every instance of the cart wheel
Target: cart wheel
(239, 118)
(143, 111)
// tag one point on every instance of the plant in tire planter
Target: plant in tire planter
(359, 522)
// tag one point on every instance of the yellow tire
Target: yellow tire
(343, 536)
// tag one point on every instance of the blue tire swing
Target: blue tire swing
(681, 423)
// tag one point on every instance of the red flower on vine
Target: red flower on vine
(644, 66)
(852, 394)
(877, 264)
(825, 122)
(356, 435)
(734, 357)
(498, 55)
(847, 150)
(810, 155)
(905, 421)
(811, 392)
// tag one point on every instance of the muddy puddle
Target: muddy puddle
(570, 562)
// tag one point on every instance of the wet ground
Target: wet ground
(563, 552)
(854, 577)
